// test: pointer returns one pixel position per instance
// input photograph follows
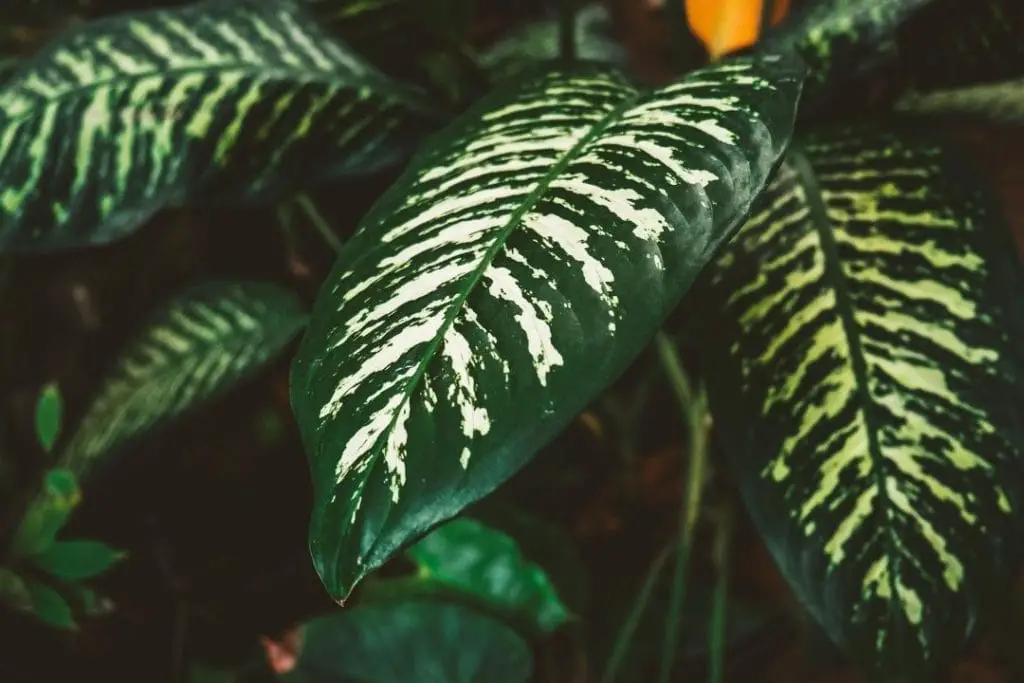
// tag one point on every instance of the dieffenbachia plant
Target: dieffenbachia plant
(521, 262)
(857, 293)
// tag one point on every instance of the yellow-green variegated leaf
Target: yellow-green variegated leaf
(866, 375)
(194, 348)
(522, 261)
(225, 100)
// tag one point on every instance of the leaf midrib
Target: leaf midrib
(836, 280)
(252, 71)
(530, 201)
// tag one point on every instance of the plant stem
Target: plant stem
(695, 414)
(625, 637)
(319, 222)
(716, 628)
(567, 29)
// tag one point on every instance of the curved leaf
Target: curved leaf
(194, 348)
(227, 99)
(426, 642)
(840, 39)
(519, 265)
(867, 379)
(78, 560)
(475, 559)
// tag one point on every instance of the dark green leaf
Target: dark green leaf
(958, 43)
(425, 642)
(472, 558)
(520, 264)
(49, 607)
(867, 379)
(14, 591)
(49, 411)
(539, 41)
(226, 99)
(47, 513)
(199, 344)
(841, 39)
(77, 560)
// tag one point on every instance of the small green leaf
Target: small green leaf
(224, 100)
(520, 264)
(49, 607)
(199, 344)
(49, 413)
(77, 560)
(425, 642)
(473, 558)
(46, 514)
(14, 591)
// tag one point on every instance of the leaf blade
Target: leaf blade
(224, 100)
(482, 212)
(870, 394)
(78, 559)
(196, 346)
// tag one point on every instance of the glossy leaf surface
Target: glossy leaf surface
(198, 345)
(472, 558)
(867, 379)
(413, 641)
(225, 100)
(524, 259)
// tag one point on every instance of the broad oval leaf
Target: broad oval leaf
(195, 347)
(867, 380)
(226, 99)
(521, 262)
(422, 641)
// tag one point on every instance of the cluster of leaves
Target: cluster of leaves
(851, 293)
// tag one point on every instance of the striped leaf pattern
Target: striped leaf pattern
(226, 99)
(527, 255)
(867, 380)
(199, 344)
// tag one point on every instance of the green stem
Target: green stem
(567, 29)
(625, 637)
(319, 222)
(716, 627)
(695, 414)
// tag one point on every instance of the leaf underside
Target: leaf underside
(198, 345)
(524, 259)
(226, 100)
(868, 383)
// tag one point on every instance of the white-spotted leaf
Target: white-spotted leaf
(520, 264)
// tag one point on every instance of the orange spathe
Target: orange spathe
(727, 25)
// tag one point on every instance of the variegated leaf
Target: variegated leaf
(867, 379)
(524, 259)
(227, 99)
(199, 344)
(840, 39)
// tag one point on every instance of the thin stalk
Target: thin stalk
(319, 222)
(716, 627)
(694, 410)
(567, 29)
(625, 637)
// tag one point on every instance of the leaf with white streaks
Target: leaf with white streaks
(520, 264)
(199, 344)
(867, 379)
(225, 99)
